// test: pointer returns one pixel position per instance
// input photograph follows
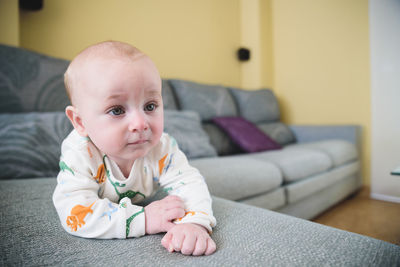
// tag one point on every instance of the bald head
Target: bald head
(109, 50)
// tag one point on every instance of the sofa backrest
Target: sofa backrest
(209, 101)
(31, 81)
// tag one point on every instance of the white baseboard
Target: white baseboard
(385, 197)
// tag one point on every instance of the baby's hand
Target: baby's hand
(189, 239)
(160, 214)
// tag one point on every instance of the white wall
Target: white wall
(384, 19)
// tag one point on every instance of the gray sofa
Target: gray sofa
(316, 167)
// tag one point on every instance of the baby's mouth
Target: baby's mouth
(138, 142)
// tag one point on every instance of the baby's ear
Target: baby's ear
(73, 116)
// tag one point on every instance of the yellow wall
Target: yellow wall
(195, 40)
(313, 54)
(321, 64)
(9, 22)
(266, 43)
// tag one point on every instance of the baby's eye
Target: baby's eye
(150, 107)
(116, 111)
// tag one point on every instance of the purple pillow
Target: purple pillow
(245, 134)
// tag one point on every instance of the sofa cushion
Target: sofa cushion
(316, 183)
(238, 177)
(185, 127)
(278, 131)
(297, 163)
(245, 134)
(207, 100)
(257, 106)
(30, 143)
(339, 151)
(168, 96)
(272, 200)
(30, 81)
(220, 140)
(31, 235)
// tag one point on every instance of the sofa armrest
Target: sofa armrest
(312, 133)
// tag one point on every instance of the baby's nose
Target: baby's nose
(138, 123)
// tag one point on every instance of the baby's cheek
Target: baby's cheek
(107, 141)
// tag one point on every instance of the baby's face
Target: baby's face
(120, 104)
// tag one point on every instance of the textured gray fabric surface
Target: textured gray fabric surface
(278, 131)
(220, 140)
(296, 163)
(31, 235)
(185, 127)
(313, 184)
(207, 100)
(30, 143)
(169, 100)
(238, 177)
(31, 81)
(257, 106)
(340, 151)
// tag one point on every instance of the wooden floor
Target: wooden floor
(363, 215)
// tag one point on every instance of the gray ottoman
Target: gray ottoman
(32, 235)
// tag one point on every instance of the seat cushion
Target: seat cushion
(297, 163)
(238, 177)
(272, 200)
(316, 183)
(339, 151)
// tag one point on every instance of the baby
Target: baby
(117, 155)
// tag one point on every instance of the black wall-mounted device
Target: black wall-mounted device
(243, 54)
(31, 5)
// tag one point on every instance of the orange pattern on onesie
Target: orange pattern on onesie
(77, 217)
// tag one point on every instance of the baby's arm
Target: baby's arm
(76, 198)
(178, 178)
(189, 239)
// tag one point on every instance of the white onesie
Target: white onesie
(94, 199)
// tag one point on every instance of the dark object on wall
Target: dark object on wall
(243, 54)
(31, 5)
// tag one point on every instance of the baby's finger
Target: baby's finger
(174, 214)
(166, 242)
(201, 246)
(211, 247)
(177, 240)
(175, 204)
(189, 244)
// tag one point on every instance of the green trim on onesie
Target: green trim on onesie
(130, 194)
(129, 220)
